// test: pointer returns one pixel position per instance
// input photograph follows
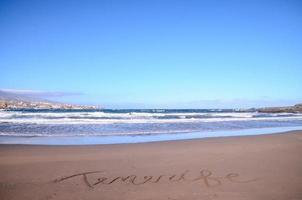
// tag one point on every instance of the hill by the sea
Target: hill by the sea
(11, 100)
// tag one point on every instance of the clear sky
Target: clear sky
(153, 53)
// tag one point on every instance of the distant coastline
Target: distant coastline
(41, 105)
(285, 109)
(11, 101)
(11, 105)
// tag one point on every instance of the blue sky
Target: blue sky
(168, 54)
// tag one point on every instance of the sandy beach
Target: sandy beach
(244, 168)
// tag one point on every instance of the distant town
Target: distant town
(11, 100)
(13, 104)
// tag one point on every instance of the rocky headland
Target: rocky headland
(286, 109)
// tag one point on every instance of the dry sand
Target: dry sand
(267, 167)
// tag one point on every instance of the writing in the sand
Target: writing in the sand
(205, 177)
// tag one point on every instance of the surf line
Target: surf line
(95, 178)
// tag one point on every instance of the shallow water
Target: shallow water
(123, 139)
(112, 126)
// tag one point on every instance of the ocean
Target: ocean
(110, 122)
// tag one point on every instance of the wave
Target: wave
(100, 117)
(136, 122)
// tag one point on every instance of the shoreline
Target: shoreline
(132, 139)
(204, 139)
(227, 168)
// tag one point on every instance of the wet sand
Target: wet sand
(231, 168)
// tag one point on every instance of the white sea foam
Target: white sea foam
(99, 123)
(138, 117)
(98, 134)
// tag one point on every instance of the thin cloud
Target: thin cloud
(40, 93)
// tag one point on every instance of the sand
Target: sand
(267, 167)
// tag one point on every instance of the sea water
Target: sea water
(151, 123)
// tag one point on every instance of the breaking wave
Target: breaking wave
(135, 122)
